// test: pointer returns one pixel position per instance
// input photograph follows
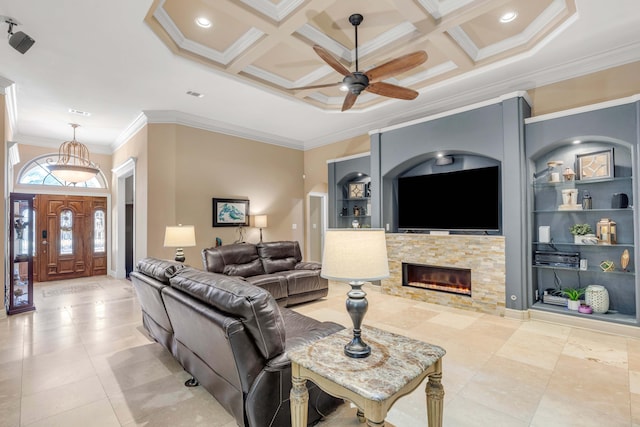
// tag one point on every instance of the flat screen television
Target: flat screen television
(466, 200)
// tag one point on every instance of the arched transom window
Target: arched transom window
(36, 172)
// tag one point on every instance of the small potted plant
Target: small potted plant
(580, 232)
(573, 295)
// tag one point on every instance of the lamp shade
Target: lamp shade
(179, 236)
(355, 255)
(260, 221)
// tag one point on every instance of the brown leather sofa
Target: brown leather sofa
(274, 266)
(232, 337)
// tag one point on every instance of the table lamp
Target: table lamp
(260, 221)
(355, 256)
(179, 237)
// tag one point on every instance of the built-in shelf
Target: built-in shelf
(588, 270)
(582, 245)
(572, 184)
(609, 316)
(567, 211)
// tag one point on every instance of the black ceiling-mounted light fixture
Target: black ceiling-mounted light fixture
(19, 40)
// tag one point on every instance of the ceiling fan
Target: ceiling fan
(370, 80)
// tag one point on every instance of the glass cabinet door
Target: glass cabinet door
(19, 289)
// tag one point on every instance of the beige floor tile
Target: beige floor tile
(634, 382)
(96, 414)
(508, 386)
(197, 411)
(54, 375)
(532, 347)
(56, 400)
(633, 353)
(143, 401)
(85, 341)
(9, 411)
(600, 388)
(462, 412)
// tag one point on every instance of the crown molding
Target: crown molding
(185, 119)
(278, 11)
(134, 127)
(593, 107)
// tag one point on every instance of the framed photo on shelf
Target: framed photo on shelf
(595, 165)
(356, 190)
(230, 212)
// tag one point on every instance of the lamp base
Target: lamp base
(357, 306)
(179, 255)
(357, 349)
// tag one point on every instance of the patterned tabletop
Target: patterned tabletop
(395, 360)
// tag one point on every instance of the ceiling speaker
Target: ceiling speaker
(21, 42)
(444, 160)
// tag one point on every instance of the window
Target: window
(35, 172)
(99, 235)
(66, 232)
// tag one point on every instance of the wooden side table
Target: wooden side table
(396, 366)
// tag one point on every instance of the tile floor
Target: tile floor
(83, 359)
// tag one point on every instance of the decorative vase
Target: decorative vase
(597, 297)
(573, 305)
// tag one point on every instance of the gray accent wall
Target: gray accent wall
(474, 138)
(501, 133)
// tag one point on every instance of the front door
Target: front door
(71, 236)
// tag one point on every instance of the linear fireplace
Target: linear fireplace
(444, 279)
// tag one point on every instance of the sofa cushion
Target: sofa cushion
(160, 269)
(239, 259)
(275, 284)
(253, 268)
(255, 306)
(279, 256)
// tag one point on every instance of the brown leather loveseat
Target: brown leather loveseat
(232, 337)
(274, 266)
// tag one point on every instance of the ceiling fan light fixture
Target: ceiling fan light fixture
(508, 16)
(74, 164)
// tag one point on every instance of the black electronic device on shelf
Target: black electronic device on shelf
(557, 259)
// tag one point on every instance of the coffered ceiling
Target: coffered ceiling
(270, 42)
(127, 63)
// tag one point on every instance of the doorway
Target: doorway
(316, 225)
(71, 236)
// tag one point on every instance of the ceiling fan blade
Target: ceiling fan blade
(397, 66)
(349, 100)
(316, 86)
(392, 91)
(326, 56)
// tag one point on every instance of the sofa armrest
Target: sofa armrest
(308, 265)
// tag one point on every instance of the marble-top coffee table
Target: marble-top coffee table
(396, 366)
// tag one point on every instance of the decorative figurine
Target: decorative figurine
(624, 260)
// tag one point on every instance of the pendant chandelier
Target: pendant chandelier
(73, 165)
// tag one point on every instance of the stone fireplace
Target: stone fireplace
(482, 256)
(444, 279)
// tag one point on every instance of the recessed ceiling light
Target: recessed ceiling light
(196, 94)
(508, 17)
(203, 22)
(78, 112)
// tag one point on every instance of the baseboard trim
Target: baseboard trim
(584, 323)
(510, 313)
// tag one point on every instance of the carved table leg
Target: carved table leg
(435, 395)
(299, 402)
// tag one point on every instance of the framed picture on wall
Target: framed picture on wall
(356, 190)
(230, 212)
(595, 165)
